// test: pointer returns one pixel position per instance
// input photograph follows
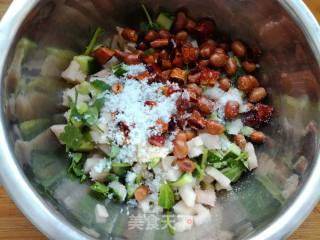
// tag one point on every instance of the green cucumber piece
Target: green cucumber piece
(154, 162)
(184, 179)
(120, 169)
(87, 64)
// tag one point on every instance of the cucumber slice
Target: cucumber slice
(154, 162)
(184, 179)
(120, 169)
(119, 190)
(85, 63)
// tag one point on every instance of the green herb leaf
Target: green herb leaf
(100, 188)
(75, 117)
(93, 41)
(166, 196)
(118, 70)
(240, 72)
(91, 116)
(76, 166)
(99, 103)
(71, 137)
(169, 225)
(100, 85)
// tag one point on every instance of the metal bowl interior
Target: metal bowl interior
(268, 204)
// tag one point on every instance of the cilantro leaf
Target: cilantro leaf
(240, 72)
(166, 196)
(100, 85)
(100, 188)
(76, 166)
(118, 70)
(91, 116)
(71, 137)
(99, 103)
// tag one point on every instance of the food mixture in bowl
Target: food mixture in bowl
(164, 117)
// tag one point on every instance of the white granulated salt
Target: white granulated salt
(130, 108)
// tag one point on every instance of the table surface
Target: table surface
(13, 225)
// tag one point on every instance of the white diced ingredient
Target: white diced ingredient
(145, 205)
(225, 142)
(172, 174)
(210, 141)
(181, 208)
(195, 147)
(188, 195)
(203, 215)
(73, 73)
(166, 162)
(219, 177)
(101, 213)
(252, 158)
(234, 127)
(91, 162)
(207, 197)
(119, 189)
(130, 177)
(100, 170)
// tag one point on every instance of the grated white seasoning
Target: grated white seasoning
(130, 108)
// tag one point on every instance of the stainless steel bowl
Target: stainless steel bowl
(268, 204)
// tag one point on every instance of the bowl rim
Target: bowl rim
(54, 225)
